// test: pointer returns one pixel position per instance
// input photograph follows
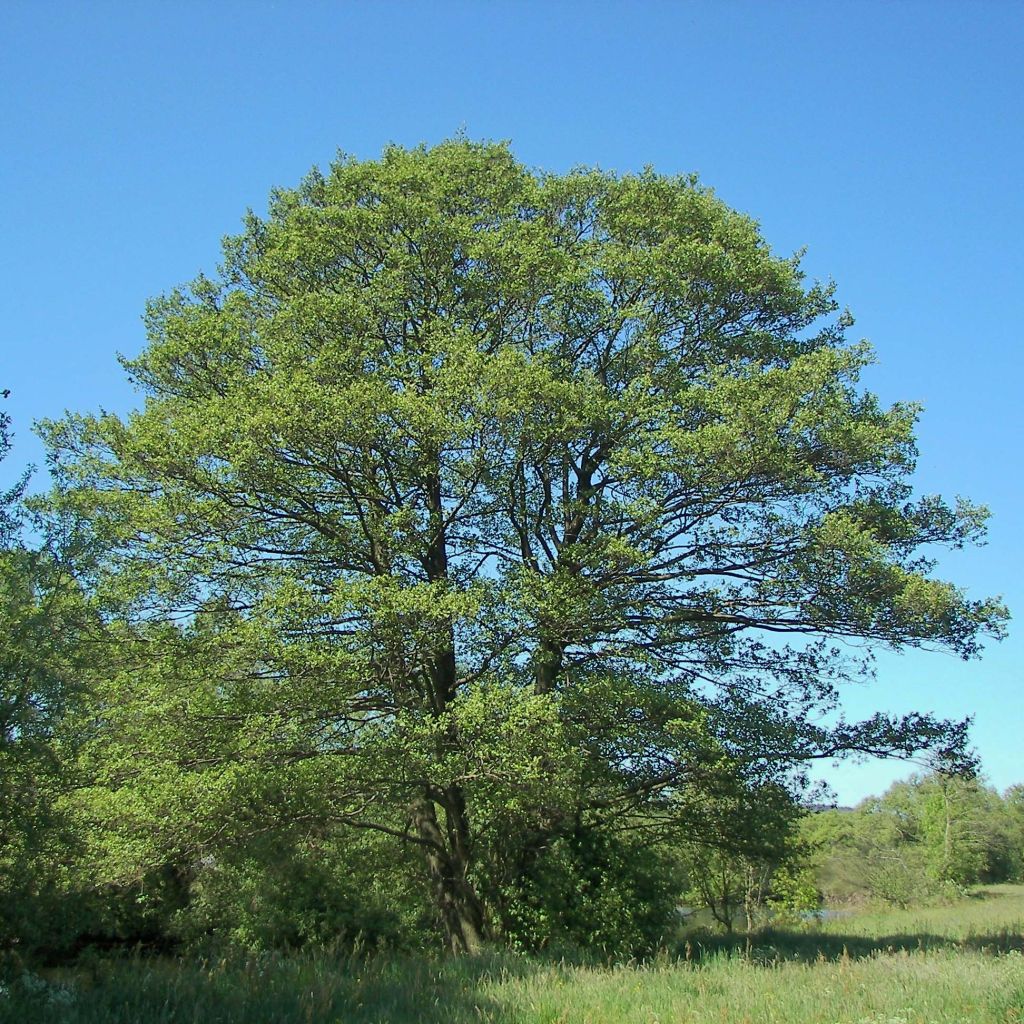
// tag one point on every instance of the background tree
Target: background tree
(11, 498)
(924, 837)
(44, 658)
(748, 853)
(1013, 803)
(510, 498)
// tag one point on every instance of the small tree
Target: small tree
(748, 853)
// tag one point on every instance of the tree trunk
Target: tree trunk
(549, 664)
(458, 905)
(947, 835)
(448, 850)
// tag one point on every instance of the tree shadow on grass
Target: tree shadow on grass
(774, 944)
(271, 990)
(442, 991)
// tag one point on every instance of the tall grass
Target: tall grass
(954, 965)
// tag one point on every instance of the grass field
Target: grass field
(959, 964)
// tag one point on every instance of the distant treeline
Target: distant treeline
(932, 834)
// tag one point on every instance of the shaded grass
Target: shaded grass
(954, 965)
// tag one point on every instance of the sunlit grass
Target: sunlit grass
(989, 909)
(959, 964)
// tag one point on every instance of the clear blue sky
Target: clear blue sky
(884, 137)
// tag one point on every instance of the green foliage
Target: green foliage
(44, 665)
(1011, 846)
(794, 890)
(283, 893)
(609, 893)
(10, 500)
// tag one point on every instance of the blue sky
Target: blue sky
(886, 138)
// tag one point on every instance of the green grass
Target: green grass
(990, 909)
(960, 964)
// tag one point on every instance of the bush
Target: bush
(600, 891)
(283, 895)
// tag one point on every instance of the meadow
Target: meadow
(962, 963)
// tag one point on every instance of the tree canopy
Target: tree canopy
(492, 510)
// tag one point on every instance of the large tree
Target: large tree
(507, 504)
